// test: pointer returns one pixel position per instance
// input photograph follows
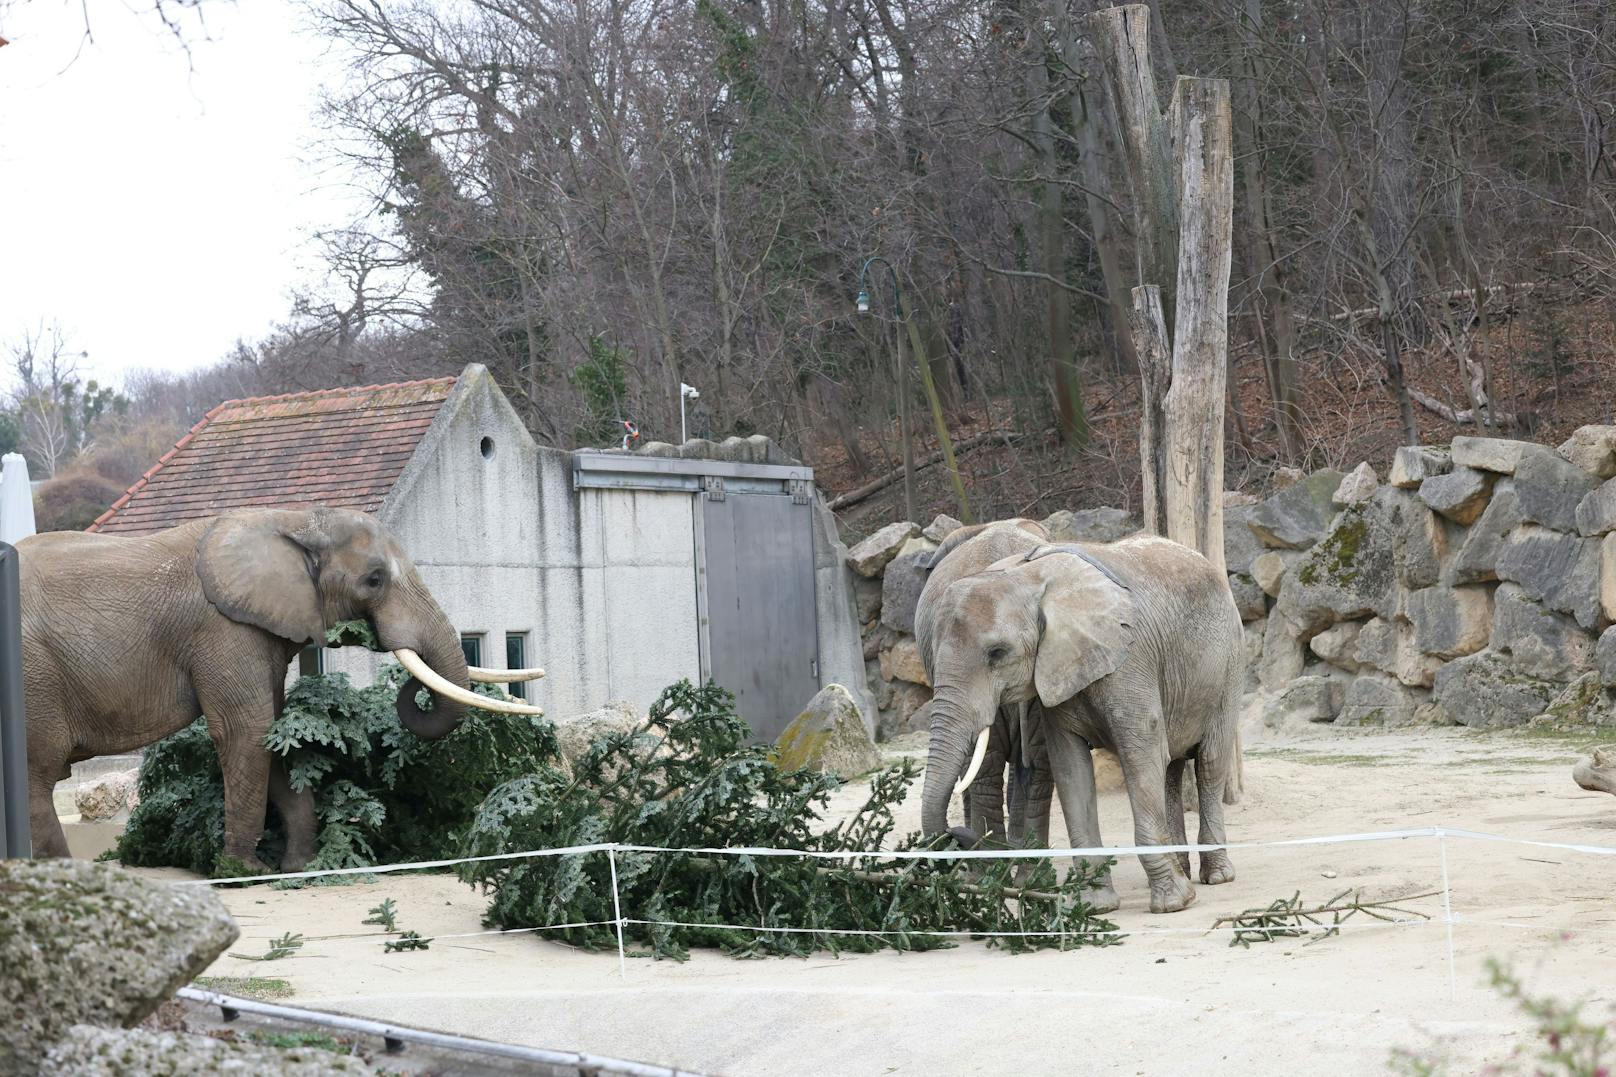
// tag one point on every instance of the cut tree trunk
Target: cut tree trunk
(1155, 375)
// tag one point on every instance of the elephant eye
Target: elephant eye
(997, 655)
(374, 579)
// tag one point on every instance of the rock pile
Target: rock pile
(1475, 585)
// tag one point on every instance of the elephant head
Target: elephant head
(295, 573)
(1037, 626)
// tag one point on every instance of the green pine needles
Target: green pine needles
(382, 794)
(689, 780)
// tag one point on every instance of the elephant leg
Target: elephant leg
(1212, 777)
(1144, 772)
(44, 828)
(1175, 811)
(237, 722)
(1041, 782)
(985, 799)
(1073, 768)
(297, 813)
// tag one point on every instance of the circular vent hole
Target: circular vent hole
(487, 447)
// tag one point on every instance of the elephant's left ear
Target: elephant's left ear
(1087, 626)
(254, 569)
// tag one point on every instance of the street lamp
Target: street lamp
(907, 328)
(686, 392)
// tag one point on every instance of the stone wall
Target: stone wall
(1475, 585)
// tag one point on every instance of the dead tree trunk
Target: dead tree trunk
(1155, 375)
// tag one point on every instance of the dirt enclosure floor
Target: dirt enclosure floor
(1178, 1003)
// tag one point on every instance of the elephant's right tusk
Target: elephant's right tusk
(446, 688)
(484, 675)
(976, 762)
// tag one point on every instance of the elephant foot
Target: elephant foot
(1216, 868)
(247, 865)
(296, 861)
(1171, 894)
(1101, 898)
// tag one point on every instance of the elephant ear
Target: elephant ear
(1087, 624)
(259, 568)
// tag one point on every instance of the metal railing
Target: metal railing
(14, 839)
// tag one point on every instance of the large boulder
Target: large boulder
(1490, 454)
(1249, 598)
(1559, 570)
(86, 943)
(1283, 654)
(1268, 569)
(1549, 488)
(901, 583)
(1592, 448)
(829, 737)
(1390, 647)
(867, 597)
(902, 709)
(1374, 699)
(1297, 516)
(1596, 512)
(1460, 495)
(574, 735)
(1347, 575)
(1582, 703)
(1596, 771)
(1477, 559)
(108, 797)
(1240, 543)
(1413, 464)
(901, 662)
(1605, 657)
(869, 557)
(1304, 700)
(1607, 577)
(1089, 525)
(1538, 642)
(1360, 483)
(942, 525)
(99, 1052)
(1338, 645)
(1483, 691)
(1451, 622)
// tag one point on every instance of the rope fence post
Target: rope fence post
(1447, 913)
(617, 910)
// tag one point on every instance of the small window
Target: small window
(310, 661)
(487, 447)
(472, 646)
(516, 658)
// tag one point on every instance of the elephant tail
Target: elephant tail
(1237, 776)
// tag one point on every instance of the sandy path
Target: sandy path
(1175, 1003)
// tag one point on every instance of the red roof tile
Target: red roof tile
(333, 447)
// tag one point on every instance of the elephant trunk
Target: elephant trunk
(412, 625)
(952, 736)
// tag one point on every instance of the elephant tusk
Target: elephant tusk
(446, 688)
(484, 675)
(976, 762)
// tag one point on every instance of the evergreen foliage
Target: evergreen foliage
(690, 780)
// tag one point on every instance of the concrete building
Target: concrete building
(618, 572)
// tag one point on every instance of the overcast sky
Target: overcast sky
(158, 206)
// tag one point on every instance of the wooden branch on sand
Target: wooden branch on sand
(876, 485)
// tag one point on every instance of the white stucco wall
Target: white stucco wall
(602, 581)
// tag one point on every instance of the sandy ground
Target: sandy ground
(1182, 1002)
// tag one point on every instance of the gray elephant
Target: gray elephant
(126, 640)
(1133, 646)
(1012, 742)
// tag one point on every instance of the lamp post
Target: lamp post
(907, 329)
(686, 392)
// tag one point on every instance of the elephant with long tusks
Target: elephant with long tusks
(126, 640)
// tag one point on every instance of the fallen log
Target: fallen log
(1499, 419)
(876, 485)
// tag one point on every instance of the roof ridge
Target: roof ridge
(308, 393)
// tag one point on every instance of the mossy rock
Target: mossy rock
(828, 737)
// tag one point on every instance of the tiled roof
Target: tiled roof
(333, 447)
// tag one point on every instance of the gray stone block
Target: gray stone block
(1451, 622)
(1269, 567)
(1560, 571)
(1592, 448)
(1348, 575)
(1482, 691)
(1240, 543)
(1297, 516)
(1413, 464)
(1090, 525)
(1596, 512)
(1537, 641)
(1490, 454)
(869, 557)
(1360, 483)
(1460, 495)
(88, 1051)
(1477, 559)
(1374, 699)
(901, 583)
(1338, 645)
(941, 526)
(1549, 488)
(1283, 655)
(1249, 598)
(1304, 700)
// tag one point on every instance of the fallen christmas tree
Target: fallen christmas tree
(687, 780)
